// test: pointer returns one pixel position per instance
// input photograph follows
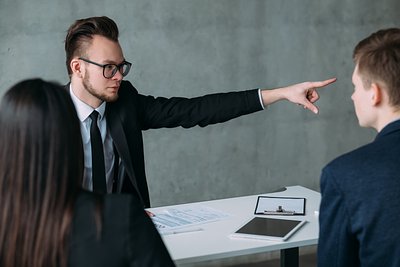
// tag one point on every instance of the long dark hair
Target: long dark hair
(41, 168)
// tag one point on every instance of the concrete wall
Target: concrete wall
(195, 47)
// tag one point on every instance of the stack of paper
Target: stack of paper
(174, 220)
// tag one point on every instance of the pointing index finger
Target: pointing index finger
(322, 83)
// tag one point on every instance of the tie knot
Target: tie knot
(94, 115)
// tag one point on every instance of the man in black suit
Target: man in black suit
(96, 66)
(360, 207)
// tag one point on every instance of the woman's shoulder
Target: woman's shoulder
(114, 213)
(109, 203)
(125, 227)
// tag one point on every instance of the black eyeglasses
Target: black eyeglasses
(109, 70)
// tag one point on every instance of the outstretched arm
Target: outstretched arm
(304, 94)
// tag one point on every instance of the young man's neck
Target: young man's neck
(390, 115)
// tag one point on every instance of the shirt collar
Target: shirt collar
(389, 128)
(83, 109)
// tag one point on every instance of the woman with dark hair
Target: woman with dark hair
(46, 219)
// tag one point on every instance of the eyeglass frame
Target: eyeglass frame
(118, 67)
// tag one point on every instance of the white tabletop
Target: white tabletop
(214, 241)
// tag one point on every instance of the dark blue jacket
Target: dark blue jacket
(360, 207)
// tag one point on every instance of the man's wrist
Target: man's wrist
(270, 96)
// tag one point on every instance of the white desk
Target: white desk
(214, 242)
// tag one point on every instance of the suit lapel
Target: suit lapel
(114, 124)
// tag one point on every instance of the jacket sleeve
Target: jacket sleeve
(160, 112)
(337, 246)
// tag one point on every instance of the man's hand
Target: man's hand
(149, 213)
(304, 94)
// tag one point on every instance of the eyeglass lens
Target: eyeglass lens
(110, 69)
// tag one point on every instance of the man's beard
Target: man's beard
(103, 97)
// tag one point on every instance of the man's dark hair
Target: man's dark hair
(81, 32)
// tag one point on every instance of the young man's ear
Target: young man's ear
(76, 67)
(376, 94)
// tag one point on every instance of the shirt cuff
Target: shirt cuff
(261, 100)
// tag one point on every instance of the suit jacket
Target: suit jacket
(360, 207)
(133, 113)
(127, 236)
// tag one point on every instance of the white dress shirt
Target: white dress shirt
(84, 112)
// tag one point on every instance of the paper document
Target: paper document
(280, 206)
(186, 216)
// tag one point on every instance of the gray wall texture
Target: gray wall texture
(195, 47)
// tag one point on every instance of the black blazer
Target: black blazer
(132, 113)
(127, 236)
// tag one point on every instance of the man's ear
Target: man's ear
(376, 94)
(76, 67)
